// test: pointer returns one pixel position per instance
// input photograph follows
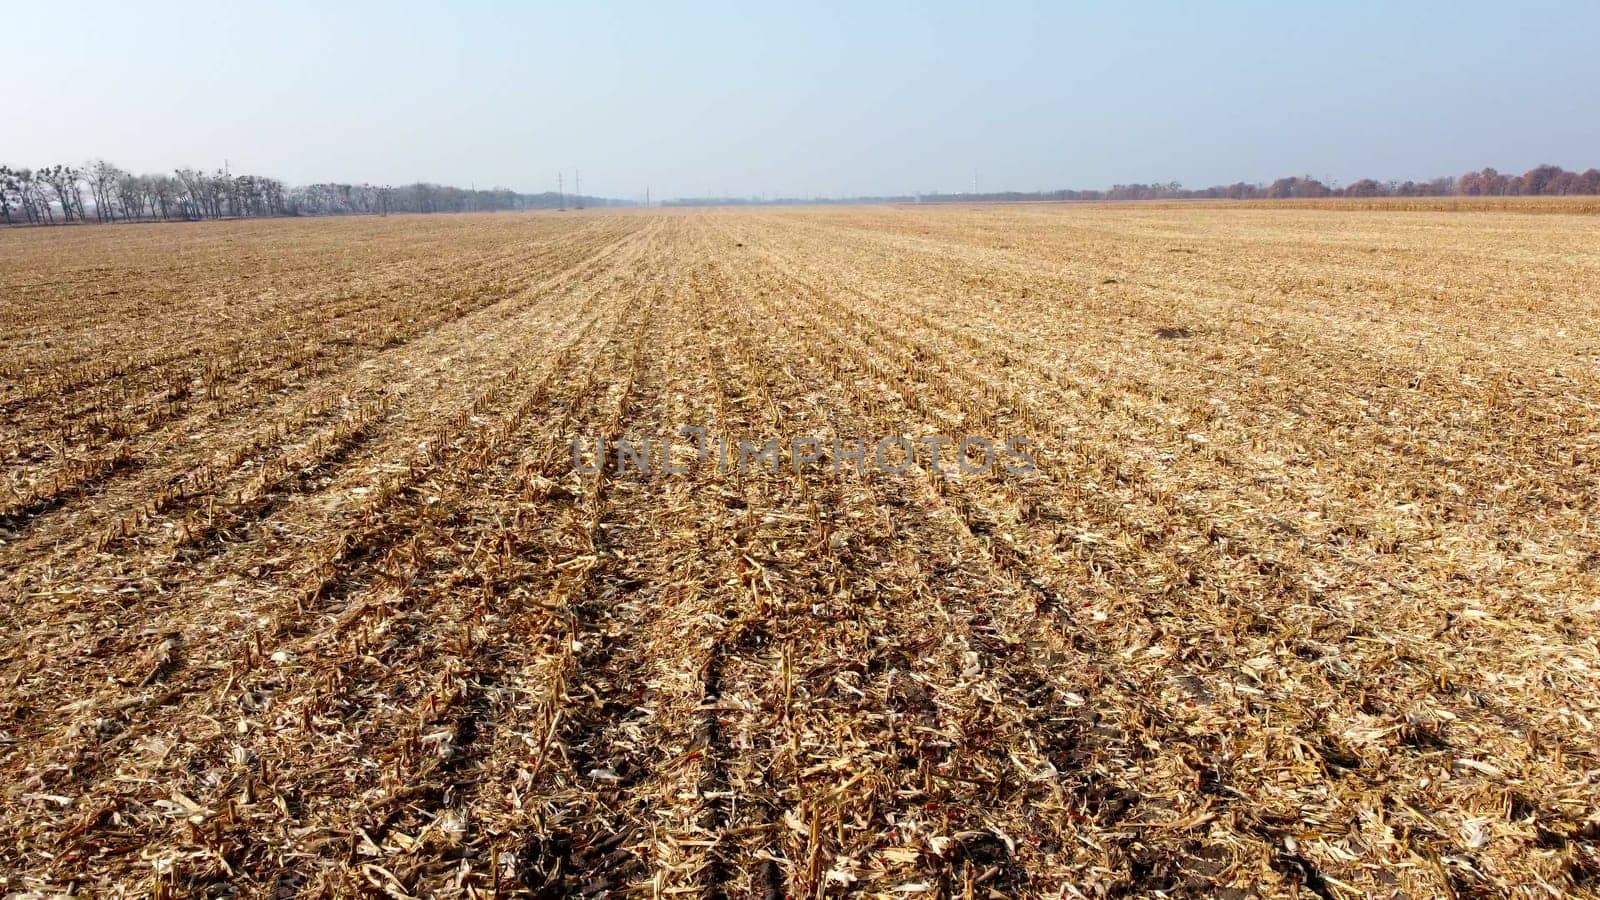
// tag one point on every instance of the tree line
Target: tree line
(1540, 181)
(102, 192)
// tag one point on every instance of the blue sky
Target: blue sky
(808, 98)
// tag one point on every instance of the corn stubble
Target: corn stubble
(304, 597)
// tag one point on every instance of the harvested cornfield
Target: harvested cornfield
(305, 592)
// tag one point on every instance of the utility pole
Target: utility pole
(577, 188)
(561, 190)
(647, 196)
(974, 182)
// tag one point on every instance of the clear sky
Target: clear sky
(810, 98)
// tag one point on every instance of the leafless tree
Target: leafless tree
(103, 177)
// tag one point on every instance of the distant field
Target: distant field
(1579, 205)
(304, 594)
(1572, 205)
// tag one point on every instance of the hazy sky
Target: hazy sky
(813, 98)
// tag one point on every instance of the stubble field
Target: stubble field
(301, 592)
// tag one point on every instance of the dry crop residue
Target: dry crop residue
(302, 594)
